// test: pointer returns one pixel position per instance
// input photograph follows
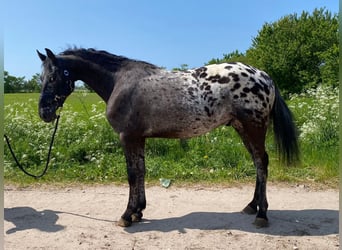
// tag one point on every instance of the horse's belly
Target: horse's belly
(186, 124)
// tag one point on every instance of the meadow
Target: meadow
(86, 150)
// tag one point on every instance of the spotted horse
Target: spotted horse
(143, 101)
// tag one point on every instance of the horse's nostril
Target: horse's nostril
(47, 114)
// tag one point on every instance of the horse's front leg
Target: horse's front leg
(134, 153)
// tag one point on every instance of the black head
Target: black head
(57, 85)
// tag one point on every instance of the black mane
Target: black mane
(103, 58)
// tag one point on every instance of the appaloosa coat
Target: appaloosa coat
(144, 100)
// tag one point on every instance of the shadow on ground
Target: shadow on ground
(28, 218)
(314, 222)
(25, 218)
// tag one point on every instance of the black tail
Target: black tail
(285, 132)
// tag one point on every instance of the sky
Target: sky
(165, 33)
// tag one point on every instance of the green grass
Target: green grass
(86, 149)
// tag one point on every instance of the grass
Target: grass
(86, 149)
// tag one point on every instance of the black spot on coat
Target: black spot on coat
(203, 75)
(214, 78)
(246, 90)
(206, 109)
(256, 88)
(224, 80)
(236, 86)
(250, 70)
(234, 76)
(267, 91)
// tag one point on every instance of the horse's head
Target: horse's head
(57, 84)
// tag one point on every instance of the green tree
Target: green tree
(183, 67)
(330, 65)
(33, 85)
(235, 56)
(299, 52)
(13, 84)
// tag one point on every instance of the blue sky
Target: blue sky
(165, 33)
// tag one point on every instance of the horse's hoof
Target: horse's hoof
(261, 222)
(136, 217)
(249, 210)
(124, 223)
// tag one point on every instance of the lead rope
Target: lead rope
(48, 157)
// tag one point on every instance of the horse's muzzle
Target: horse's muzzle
(47, 114)
(48, 106)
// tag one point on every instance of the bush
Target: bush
(318, 117)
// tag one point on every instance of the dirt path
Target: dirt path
(175, 218)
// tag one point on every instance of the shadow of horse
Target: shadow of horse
(25, 218)
(314, 222)
(311, 222)
(28, 218)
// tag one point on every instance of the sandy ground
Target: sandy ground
(175, 218)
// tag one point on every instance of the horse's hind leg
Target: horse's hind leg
(134, 153)
(253, 137)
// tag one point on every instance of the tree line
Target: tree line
(297, 51)
(14, 84)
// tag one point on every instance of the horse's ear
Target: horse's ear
(41, 56)
(51, 55)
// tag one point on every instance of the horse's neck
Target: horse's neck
(100, 80)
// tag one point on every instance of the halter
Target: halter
(69, 82)
(60, 98)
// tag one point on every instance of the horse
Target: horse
(145, 101)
